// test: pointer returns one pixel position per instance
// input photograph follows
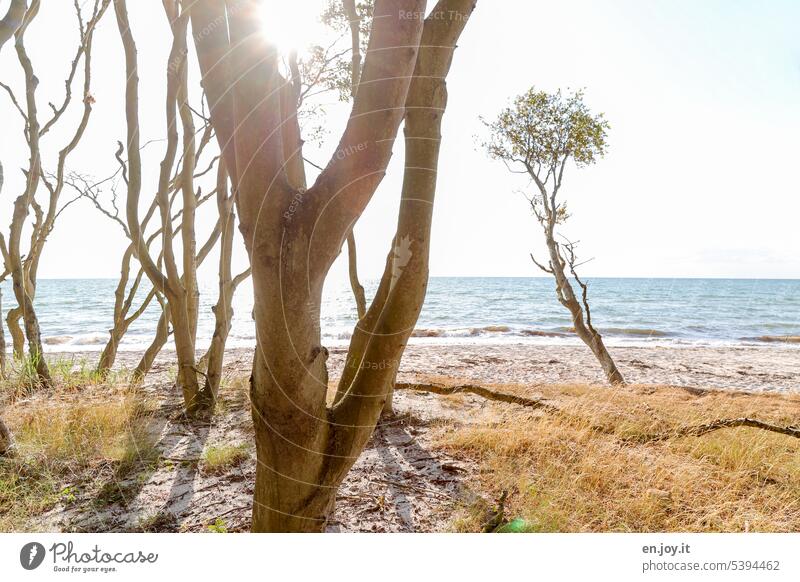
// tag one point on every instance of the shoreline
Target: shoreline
(769, 368)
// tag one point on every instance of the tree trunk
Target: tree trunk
(6, 439)
(223, 310)
(31, 323)
(159, 341)
(305, 448)
(583, 327)
(180, 291)
(355, 75)
(355, 284)
(12, 20)
(13, 318)
(2, 341)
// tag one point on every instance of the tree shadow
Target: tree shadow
(124, 479)
(419, 478)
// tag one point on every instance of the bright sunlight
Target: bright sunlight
(292, 25)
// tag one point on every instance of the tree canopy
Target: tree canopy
(542, 131)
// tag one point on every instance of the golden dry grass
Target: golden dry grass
(578, 471)
(64, 435)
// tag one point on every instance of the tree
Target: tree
(130, 281)
(304, 446)
(178, 279)
(8, 26)
(23, 267)
(539, 135)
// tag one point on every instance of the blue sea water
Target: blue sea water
(75, 314)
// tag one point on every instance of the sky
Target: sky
(700, 179)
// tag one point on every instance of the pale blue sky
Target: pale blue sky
(703, 98)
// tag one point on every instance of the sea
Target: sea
(76, 314)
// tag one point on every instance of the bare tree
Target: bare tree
(130, 281)
(539, 135)
(24, 267)
(305, 447)
(177, 283)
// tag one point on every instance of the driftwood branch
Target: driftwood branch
(538, 403)
(703, 429)
(481, 391)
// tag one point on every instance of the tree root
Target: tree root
(702, 429)
(481, 391)
(694, 430)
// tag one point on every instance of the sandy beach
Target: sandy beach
(772, 368)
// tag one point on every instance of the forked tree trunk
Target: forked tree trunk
(123, 299)
(24, 267)
(305, 448)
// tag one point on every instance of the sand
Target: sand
(771, 368)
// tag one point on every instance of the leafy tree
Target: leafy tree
(539, 135)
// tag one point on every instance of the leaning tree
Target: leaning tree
(305, 447)
(539, 135)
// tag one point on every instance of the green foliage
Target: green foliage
(218, 526)
(329, 67)
(541, 131)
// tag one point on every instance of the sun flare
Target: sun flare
(291, 26)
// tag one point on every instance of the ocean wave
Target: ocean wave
(91, 340)
(787, 339)
(539, 333)
(636, 331)
(632, 331)
(486, 330)
(57, 340)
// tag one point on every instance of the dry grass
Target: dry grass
(579, 472)
(218, 459)
(64, 437)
